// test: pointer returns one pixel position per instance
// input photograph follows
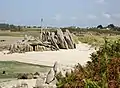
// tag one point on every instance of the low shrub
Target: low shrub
(102, 72)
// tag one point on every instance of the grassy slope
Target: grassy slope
(19, 34)
(12, 68)
(96, 40)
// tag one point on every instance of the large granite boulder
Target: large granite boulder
(69, 39)
(54, 41)
(62, 42)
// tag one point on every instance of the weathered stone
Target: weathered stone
(50, 76)
(25, 76)
(67, 31)
(53, 41)
(56, 68)
(62, 42)
(71, 37)
(50, 41)
(39, 83)
(68, 40)
(36, 75)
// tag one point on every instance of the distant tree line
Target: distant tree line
(99, 28)
(11, 27)
(110, 27)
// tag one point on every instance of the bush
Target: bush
(102, 72)
(91, 40)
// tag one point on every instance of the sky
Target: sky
(83, 13)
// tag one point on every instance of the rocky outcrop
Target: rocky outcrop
(61, 40)
(50, 41)
(69, 39)
(20, 48)
(54, 41)
(57, 68)
(50, 81)
(43, 80)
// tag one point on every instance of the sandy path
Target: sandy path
(66, 57)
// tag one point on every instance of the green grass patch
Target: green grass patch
(91, 40)
(13, 34)
(96, 40)
(20, 34)
(31, 29)
(13, 68)
(75, 39)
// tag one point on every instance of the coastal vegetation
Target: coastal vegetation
(103, 71)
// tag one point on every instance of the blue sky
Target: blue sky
(60, 12)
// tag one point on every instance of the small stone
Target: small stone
(39, 82)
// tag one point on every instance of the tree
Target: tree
(28, 26)
(34, 27)
(111, 26)
(12, 26)
(39, 26)
(19, 28)
(100, 27)
(4, 26)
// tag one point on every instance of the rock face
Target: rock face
(61, 39)
(54, 41)
(69, 40)
(50, 76)
(57, 67)
(50, 41)
(20, 48)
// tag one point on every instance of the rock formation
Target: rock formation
(69, 39)
(51, 41)
(57, 68)
(50, 76)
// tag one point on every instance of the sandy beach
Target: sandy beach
(65, 57)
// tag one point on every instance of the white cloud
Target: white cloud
(100, 1)
(92, 16)
(57, 17)
(113, 15)
(106, 15)
(73, 18)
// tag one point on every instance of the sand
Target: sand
(65, 57)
